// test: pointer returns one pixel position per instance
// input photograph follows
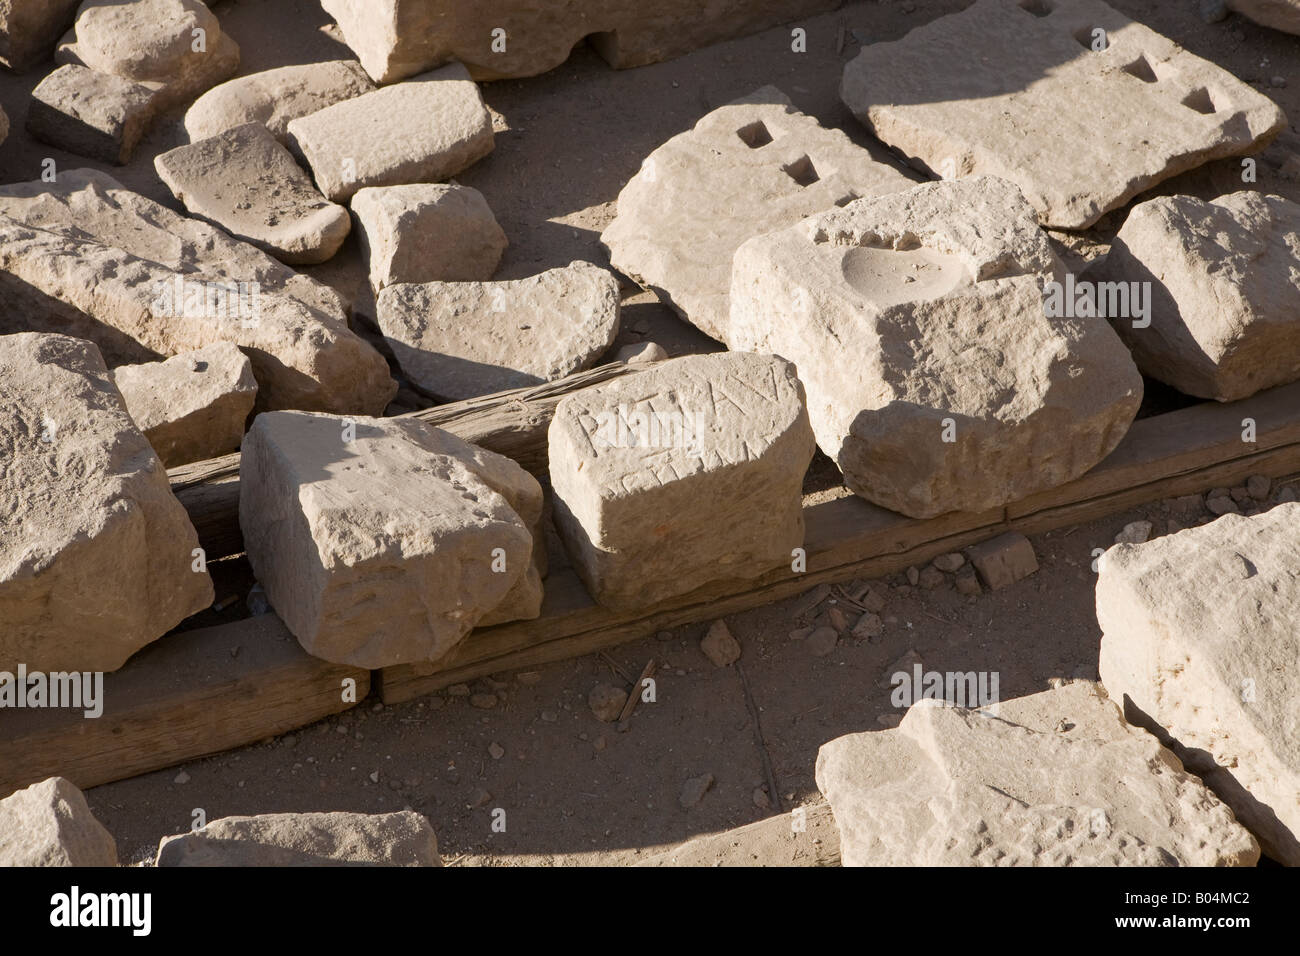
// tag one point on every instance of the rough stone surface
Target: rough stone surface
(1225, 297)
(427, 232)
(95, 551)
(936, 381)
(804, 837)
(89, 258)
(387, 548)
(91, 114)
(456, 340)
(275, 97)
(646, 469)
(246, 183)
(606, 702)
(719, 646)
(1004, 560)
(306, 839)
(152, 42)
(192, 406)
(957, 787)
(29, 30)
(1281, 15)
(747, 168)
(1081, 132)
(422, 130)
(641, 353)
(49, 824)
(396, 38)
(1199, 641)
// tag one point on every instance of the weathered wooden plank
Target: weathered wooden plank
(190, 694)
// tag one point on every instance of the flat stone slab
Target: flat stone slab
(91, 114)
(49, 824)
(274, 97)
(397, 38)
(306, 839)
(192, 406)
(89, 258)
(245, 182)
(1014, 89)
(1055, 779)
(381, 541)
(29, 30)
(457, 340)
(1225, 299)
(427, 232)
(747, 168)
(96, 556)
(1199, 641)
(648, 470)
(936, 380)
(423, 130)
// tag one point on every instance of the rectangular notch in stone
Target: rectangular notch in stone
(802, 171)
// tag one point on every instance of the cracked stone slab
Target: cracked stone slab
(275, 97)
(751, 167)
(381, 541)
(91, 114)
(1199, 641)
(425, 129)
(95, 550)
(457, 340)
(49, 824)
(427, 232)
(397, 38)
(245, 182)
(1225, 297)
(680, 476)
(1016, 90)
(1053, 779)
(89, 258)
(936, 381)
(192, 406)
(29, 30)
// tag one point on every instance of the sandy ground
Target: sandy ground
(575, 790)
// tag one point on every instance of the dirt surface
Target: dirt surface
(575, 790)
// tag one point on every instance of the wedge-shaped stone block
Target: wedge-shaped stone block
(89, 258)
(457, 340)
(49, 824)
(1054, 779)
(1224, 318)
(91, 114)
(748, 168)
(1079, 106)
(95, 552)
(680, 476)
(274, 97)
(192, 406)
(1199, 641)
(306, 839)
(246, 183)
(381, 541)
(29, 30)
(427, 232)
(935, 379)
(396, 38)
(423, 130)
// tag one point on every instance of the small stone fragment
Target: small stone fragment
(1004, 560)
(1135, 532)
(694, 789)
(719, 646)
(606, 702)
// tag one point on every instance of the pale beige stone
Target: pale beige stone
(49, 824)
(1054, 779)
(748, 168)
(96, 554)
(1013, 88)
(91, 114)
(458, 340)
(806, 836)
(1281, 15)
(29, 30)
(404, 838)
(683, 475)
(87, 257)
(422, 130)
(936, 381)
(243, 181)
(192, 406)
(1199, 642)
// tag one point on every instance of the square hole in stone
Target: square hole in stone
(1142, 70)
(846, 199)
(802, 171)
(755, 134)
(1199, 99)
(1039, 8)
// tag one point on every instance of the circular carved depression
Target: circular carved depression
(890, 277)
